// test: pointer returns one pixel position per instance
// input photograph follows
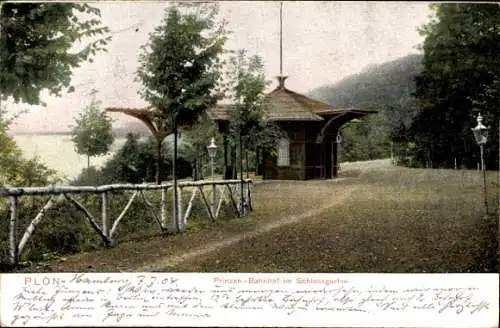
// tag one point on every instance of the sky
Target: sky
(323, 42)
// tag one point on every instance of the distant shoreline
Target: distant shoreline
(44, 133)
(117, 134)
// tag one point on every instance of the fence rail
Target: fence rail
(58, 190)
(222, 192)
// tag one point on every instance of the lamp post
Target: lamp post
(212, 150)
(481, 136)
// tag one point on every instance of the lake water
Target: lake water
(58, 153)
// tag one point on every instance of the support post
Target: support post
(226, 169)
(207, 205)
(14, 207)
(233, 162)
(163, 209)
(242, 193)
(122, 214)
(335, 159)
(174, 176)
(180, 209)
(231, 196)
(246, 163)
(31, 228)
(212, 208)
(221, 199)
(104, 215)
(250, 207)
(190, 205)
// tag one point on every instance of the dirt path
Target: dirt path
(337, 199)
(173, 261)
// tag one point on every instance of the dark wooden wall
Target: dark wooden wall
(297, 136)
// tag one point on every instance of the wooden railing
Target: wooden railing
(235, 193)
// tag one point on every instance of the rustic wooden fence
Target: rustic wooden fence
(234, 193)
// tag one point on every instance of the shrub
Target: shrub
(135, 162)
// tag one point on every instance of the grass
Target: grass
(388, 219)
(399, 220)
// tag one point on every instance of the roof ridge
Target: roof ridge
(312, 99)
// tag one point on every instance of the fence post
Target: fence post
(180, 208)
(104, 217)
(177, 209)
(14, 254)
(249, 197)
(163, 208)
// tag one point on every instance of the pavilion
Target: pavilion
(308, 149)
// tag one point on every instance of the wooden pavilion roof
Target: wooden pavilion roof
(287, 105)
(148, 115)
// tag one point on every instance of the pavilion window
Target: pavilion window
(284, 152)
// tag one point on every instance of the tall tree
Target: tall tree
(180, 67)
(249, 125)
(92, 133)
(36, 40)
(249, 120)
(461, 77)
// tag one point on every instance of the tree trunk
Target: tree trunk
(199, 174)
(200, 168)
(226, 169)
(257, 161)
(158, 160)
(233, 162)
(174, 176)
(195, 170)
(241, 179)
(246, 161)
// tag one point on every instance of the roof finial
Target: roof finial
(281, 38)
(281, 81)
(281, 78)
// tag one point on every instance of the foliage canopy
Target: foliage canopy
(179, 67)
(249, 119)
(37, 41)
(461, 77)
(92, 133)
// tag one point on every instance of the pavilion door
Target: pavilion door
(314, 162)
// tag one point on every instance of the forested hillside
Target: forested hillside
(387, 88)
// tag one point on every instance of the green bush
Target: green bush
(135, 162)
